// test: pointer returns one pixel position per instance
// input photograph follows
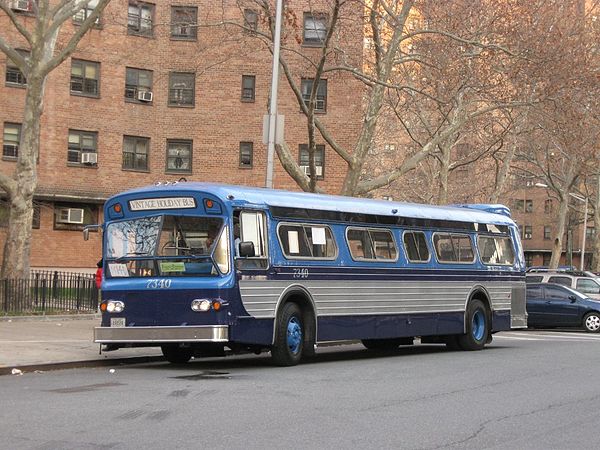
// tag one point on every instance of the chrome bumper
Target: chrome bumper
(205, 333)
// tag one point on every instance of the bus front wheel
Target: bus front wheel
(289, 338)
(176, 354)
(477, 327)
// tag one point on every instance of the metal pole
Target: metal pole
(583, 234)
(273, 101)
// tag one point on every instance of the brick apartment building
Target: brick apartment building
(148, 97)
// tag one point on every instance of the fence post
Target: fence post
(6, 295)
(43, 294)
(37, 286)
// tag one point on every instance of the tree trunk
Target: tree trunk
(444, 172)
(560, 232)
(15, 262)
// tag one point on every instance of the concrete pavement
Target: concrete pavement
(53, 342)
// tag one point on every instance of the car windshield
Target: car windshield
(167, 245)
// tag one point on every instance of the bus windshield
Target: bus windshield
(165, 245)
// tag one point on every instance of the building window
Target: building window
(319, 160)
(12, 139)
(248, 88)
(138, 85)
(246, 154)
(321, 98)
(184, 22)
(74, 216)
(590, 233)
(250, 20)
(14, 76)
(85, 78)
(179, 156)
(527, 232)
(389, 147)
(135, 153)
(85, 12)
(528, 206)
(181, 89)
(315, 29)
(528, 259)
(83, 147)
(547, 232)
(548, 206)
(139, 18)
(519, 205)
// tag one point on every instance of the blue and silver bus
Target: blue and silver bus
(208, 269)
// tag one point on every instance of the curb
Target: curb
(45, 367)
(50, 318)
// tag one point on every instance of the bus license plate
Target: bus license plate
(117, 322)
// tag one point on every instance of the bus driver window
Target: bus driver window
(249, 231)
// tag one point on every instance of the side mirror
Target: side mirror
(572, 298)
(86, 231)
(247, 249)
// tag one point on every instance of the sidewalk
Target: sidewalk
(42, 343)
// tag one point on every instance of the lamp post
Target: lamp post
(585, 214)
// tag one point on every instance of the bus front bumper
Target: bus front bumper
(206, 333)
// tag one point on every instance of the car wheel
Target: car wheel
(176, 354)
(477, 326)
(591, 322)
(289, 339)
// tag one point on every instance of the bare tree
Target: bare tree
(40, 30)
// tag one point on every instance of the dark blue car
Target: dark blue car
(553, 305)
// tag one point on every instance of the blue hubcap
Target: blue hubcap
(294, 335)
(478, 325)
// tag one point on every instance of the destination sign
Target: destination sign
(162, 203)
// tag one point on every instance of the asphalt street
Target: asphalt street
(528, 390)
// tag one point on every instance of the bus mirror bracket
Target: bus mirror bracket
(86, 231)
(247, 249)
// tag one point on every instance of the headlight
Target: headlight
(113, 306)
(201, 305)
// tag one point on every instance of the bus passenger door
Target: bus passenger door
(250, 240)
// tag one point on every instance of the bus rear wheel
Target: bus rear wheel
(176, 354)
(477, 327)
(289, 338)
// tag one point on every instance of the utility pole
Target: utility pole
(273, 101)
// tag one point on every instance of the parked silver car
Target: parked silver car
(580, 281)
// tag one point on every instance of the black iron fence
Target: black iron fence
(49, 292)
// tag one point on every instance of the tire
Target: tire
(477, 326)
(289, 337)
(591, 322)
(386, 344)
(176, 354)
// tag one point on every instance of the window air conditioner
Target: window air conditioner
(527, 235)
(144, 96)
(72, 215)
(306, 169)
(20, 5)
(89, 158)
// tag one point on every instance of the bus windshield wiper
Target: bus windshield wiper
(122, 258)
